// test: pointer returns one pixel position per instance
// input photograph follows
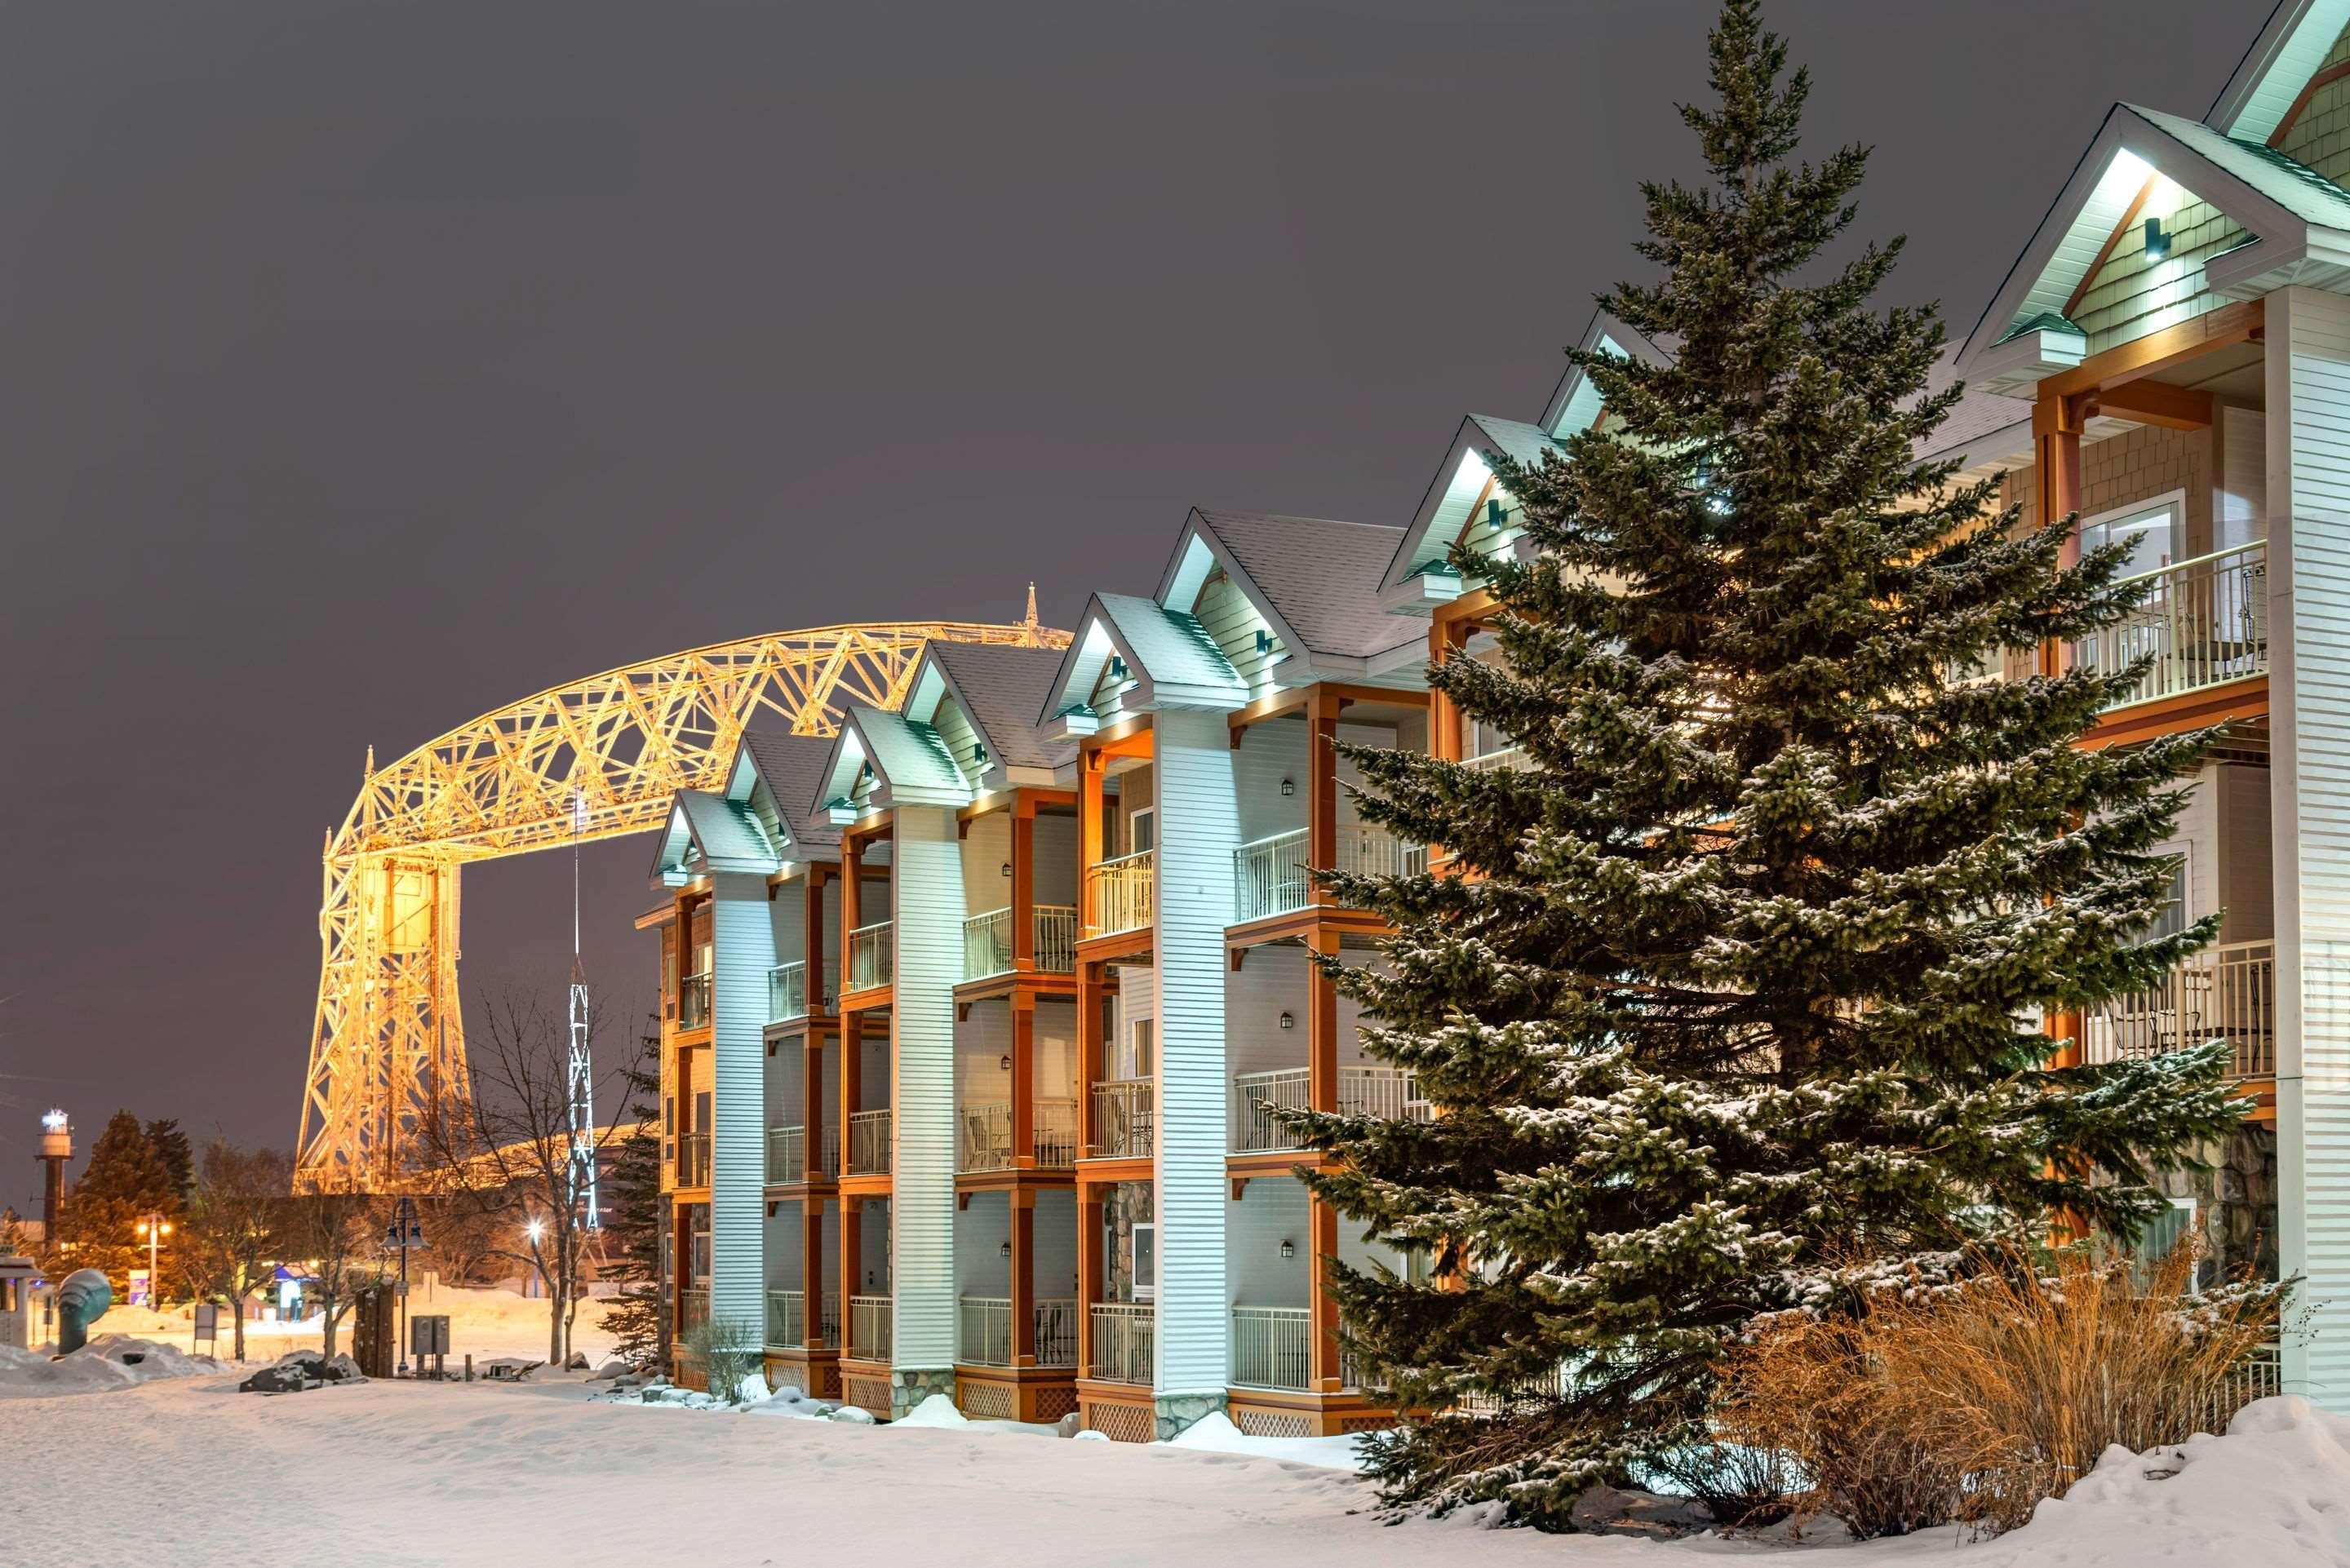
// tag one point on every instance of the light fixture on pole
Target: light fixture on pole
(154, 1226)
(406, 1230)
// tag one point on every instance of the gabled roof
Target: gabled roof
(1173, 661)
(2298, 220)
(999, 688)
(707, 831)
(1459, 482)
(910, 765)
(1315, 580)
(789, 766)
(2290, 46)
(1575, 404)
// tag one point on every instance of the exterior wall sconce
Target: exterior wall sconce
(2158, 243)
(1289, 786)
(1007, 869)
(1289, 1021)
(1005, 1251)
(1005, 1064)
(1289, 1249)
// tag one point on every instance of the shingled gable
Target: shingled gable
(775, 772)
(707, 833)
(1314, 581)
(910, 766)
(999, 689)
(1170, 661)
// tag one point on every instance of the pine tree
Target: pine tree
(1736, 1004)
(125, 1180)
(178, 1155)
(634, 1210)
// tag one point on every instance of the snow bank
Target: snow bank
(938, 1410)
(1217, 1435)
(2274, 1491)
(107, 1362)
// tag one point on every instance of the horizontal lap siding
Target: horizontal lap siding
(929, 913)
(745, 945)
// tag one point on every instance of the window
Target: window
(1142, 830)
(1138, 1053)
(2164, 1232)
(2173, 919)
(1146, 1262)
(2150, 531)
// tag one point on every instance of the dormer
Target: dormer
(980, 702)
(1289, 601)
(882, 760)
(1133, 655)
(707, 834)
(773, 774)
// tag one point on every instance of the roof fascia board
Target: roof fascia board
(1205, 531)
(2286, 52)
(1423, 521)
(1605, 331)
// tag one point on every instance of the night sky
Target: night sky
(368, 366)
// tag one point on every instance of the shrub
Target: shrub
(728, 1353)
(1973, 1402)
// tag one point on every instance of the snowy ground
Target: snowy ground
(184, 1470)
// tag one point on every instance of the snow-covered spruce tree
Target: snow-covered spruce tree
(1736, 998)
(635, 1212)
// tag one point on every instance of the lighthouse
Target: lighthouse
(56, 1148)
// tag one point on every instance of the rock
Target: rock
(278, 1380)
(1612, 1510)
(578, 1362)
(1070, 1425)
(614, 1370)
(855, 1415)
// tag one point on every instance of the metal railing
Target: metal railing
(1126, 1119)
(987, 941)
(872, 956)
(871, 1320)
(694, 1000)
(1270, 876)
(1125, 1336)
(1365, 1091)
(1118, 895)
(1273, 1347)
(2258, 1376)
(1056, 938)
(2204, 621)
(787, 993)
(868, 1143)
(2221, 994)
(984, 1332)
(984, 1141)
(1498, 760)
(787, 1318)
(692, 1159)
(695, 1305)
(787, 1154)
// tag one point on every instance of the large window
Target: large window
(2151, 531)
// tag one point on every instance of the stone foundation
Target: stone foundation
(910, 1385)
(1175, 1412)
(2236, 1204)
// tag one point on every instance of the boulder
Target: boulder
(1613, 1511)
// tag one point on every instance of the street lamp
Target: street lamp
(154, 1226)
(406, 1230)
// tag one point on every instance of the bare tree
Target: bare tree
(337, 1231)
(235, 1218)
(506, 1157)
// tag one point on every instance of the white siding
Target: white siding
(1268, 753)
(986, 851)
(1199, 822)
(1056, 1244)
(927, 886)
(1271, 1211)
(745, 945)
(2308, 489)
(1055, 846)
(981, 1230)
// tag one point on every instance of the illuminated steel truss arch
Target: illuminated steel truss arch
(387, 1043)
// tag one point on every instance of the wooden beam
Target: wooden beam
(2151, 402)
(2159, 352)
(2105, 251)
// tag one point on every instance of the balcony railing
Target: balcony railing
(985, 1143)
(868, 1143)
(787, 993)
(692, 1159)
(870, 1319)
(1126, 1119)
(1366, 1091)
(695, 1305)
(987, 941)
(986, 1332)
(2222, 993)
(1498, 760)
(1125, 1335)
(2204, 621)
(787, 1155)
(1118, 895)
(1273, 1347)
(694, 1000)
(1270, 876)
(872, 956)
(787, 1323)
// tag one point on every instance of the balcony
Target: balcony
(694, 1307)
(787, 1156)
(2204, 622)
(1118, 895)
(692, 1161)
(1369, 1091)
(1501, 758)
(2222, 993)
(1126, 1119)
(786, 992)
(1273, 1347)
(870, 1319)
(1270, 875)
(868, 1143)
(693, 1002)
(872, 956)
(986, 1137)
(986, 1332)
(1126, 1335)
(788, 1320)
(987, 941)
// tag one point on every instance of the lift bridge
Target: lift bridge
(590, 759)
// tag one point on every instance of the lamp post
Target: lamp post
(154, 1226)
(406, 1230)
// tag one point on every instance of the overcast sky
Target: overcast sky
(365, 367)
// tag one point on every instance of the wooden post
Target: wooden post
(852, 898)
(816, 964)
(1024, 884)
(812, 1271)
(1089, 831)
(1090, 1050)
(852, 1271)
(1327, 1377)
(1322, 785)
(1089, 1271)
(812, 1110)
(1024, 1079)
(1321, 1024)
(1023, 1276)
(2056, 423)
(852, 1077)
(1445, 641)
